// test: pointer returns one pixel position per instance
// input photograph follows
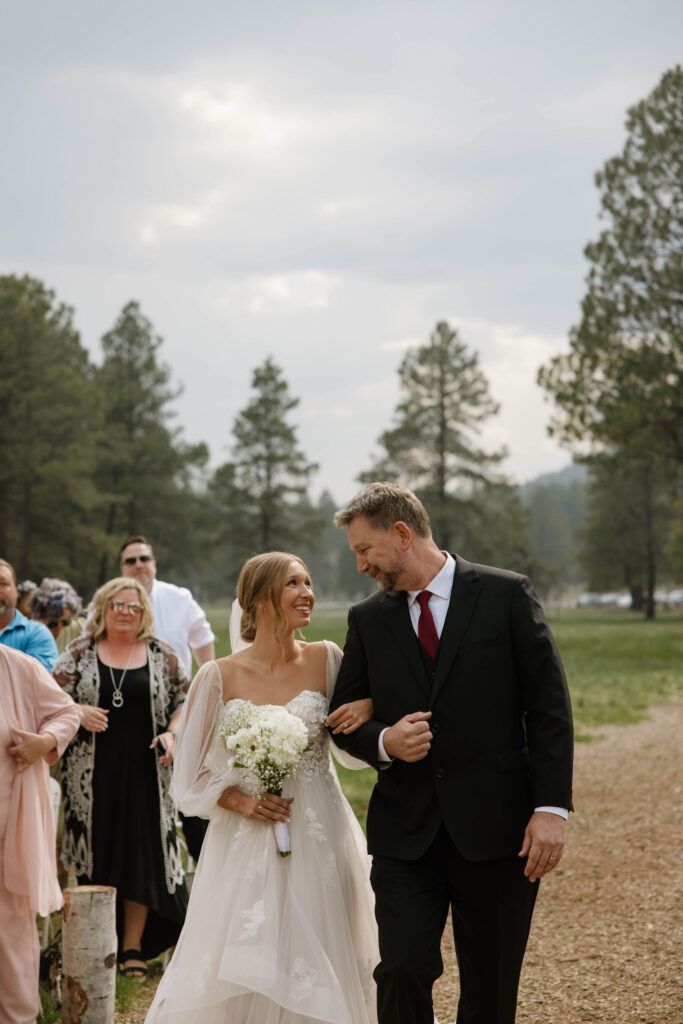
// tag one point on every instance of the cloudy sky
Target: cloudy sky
(322, 182)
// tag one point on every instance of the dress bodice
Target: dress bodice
(311, 707)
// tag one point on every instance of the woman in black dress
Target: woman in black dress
(119, 818)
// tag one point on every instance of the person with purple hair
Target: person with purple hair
(56, 604)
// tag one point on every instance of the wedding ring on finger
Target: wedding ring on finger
(552, 859)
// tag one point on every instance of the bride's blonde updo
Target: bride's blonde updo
(263, 577)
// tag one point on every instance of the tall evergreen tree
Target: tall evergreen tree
(620, 387)
(433, 448)
(261, 495)
(145, 471)
(49, 427)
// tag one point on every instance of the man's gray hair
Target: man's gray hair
(384, 504)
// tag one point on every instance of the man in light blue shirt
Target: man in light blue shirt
(16, 630)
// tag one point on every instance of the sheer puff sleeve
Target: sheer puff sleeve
(200, 774)
(334, 657)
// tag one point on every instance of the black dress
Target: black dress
(126, 839)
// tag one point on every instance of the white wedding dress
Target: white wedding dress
(270, 940)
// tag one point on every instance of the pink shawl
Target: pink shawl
(33, 702)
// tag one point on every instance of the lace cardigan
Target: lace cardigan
(76, 672)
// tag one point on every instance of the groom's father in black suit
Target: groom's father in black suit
(472, 739)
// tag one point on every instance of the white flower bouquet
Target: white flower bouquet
(267, 741)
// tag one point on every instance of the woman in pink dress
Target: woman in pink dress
(37, 720)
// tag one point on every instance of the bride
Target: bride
(271, 940)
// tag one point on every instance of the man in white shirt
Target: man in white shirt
(178, 619)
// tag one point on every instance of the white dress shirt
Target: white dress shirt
(179, 620)
(440, 589)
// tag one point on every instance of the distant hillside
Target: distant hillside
(574, 473)
(557, 505)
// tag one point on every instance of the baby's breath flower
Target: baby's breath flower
(267, 740)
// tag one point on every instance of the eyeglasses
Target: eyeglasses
(132, 559)
(58, 622)
(133, 606)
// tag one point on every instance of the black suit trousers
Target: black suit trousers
(491, 903)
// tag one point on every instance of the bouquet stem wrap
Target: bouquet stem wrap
(282, 838)
(267, 741)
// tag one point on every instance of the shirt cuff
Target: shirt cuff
(383, 756)
(562, 811)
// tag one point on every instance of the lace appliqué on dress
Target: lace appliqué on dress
(205, 970)
(313, 825)
(330, 871)
(304, 977)
(311, 707)
(253, 919)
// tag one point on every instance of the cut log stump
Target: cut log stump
(89, 955)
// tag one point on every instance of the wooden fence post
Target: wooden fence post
(89, 955)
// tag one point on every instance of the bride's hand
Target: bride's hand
(349, 717)
(266, 807)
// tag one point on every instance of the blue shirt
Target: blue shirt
(32, 638)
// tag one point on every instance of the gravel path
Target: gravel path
(606, 942)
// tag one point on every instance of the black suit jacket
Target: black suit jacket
(501, 716)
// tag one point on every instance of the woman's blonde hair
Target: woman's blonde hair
(98, 606)
(263, 577)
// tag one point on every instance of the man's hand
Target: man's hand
(410, 738)
(543, 844)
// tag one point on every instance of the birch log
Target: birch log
(89, 955)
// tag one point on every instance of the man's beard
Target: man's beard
(6, 607)
(388, 578)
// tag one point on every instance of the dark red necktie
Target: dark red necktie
(426, 630)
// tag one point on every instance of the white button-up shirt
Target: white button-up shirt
(179, 620)
(440, 589)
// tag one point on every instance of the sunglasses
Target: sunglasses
(132, 559)
(133, 606)
(58, 622)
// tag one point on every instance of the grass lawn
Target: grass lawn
(617, 664)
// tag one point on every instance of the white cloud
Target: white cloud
(271, 294)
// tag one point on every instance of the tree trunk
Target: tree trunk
(104, 561)
(89, 955)
(25, 536)
(651, 562)
(4, 519)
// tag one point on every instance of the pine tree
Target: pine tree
(433, 449)
(621, 384)
(145, 470)
(261, 495)
(49, 427)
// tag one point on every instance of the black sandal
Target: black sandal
(135, 970)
